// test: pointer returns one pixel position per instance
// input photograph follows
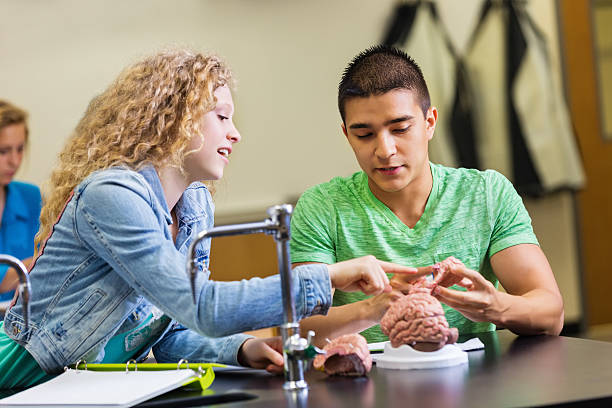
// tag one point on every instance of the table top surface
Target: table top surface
(511, 371)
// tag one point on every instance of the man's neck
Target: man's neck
(409, 203)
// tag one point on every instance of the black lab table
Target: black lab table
(510, 372)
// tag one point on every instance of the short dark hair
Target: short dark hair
(378, 70)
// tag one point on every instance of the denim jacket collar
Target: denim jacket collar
(152, 178)
(189, 208)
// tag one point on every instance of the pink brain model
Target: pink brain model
(444, 275)
(345, 355)
(418, 320)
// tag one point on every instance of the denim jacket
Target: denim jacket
(111, 259)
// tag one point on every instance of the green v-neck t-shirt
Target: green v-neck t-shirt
(470, 214)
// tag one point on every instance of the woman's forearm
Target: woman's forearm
(345, 319)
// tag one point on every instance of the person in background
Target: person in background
(405, 209)
(20, 203)
(125, 202)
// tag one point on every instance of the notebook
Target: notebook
(80, 388)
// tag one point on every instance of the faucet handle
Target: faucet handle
(299, 343)
(311, 335)
(312, 350)
(295, 343)
(302, 348)
(275, 211)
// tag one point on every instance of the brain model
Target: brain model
(345, 355)
(418, 320)
(444, 275)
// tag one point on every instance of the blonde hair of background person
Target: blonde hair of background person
(12, 115)
(19, 202)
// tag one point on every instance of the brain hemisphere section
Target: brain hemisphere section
(345, 355)
(418, 320)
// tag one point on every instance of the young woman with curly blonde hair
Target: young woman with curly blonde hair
(125, 201)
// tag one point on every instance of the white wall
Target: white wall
(287, 56)
(55, 55)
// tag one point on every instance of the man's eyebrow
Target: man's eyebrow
(387, 123)
(398, 120)
(359, 126)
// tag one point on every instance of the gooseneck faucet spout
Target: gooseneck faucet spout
(221, 231)
(24, 284)
(296, 350)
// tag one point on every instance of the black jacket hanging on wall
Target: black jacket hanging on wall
(523, 129)
(460, 125)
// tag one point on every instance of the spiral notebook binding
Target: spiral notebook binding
(203, 372)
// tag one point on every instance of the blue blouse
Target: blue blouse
(20, 222)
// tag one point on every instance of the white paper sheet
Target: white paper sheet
(79, 388)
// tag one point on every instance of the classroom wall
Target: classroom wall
(287, 56)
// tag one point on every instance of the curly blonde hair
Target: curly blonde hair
(147, 116)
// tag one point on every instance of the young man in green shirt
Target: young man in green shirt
(402, 208)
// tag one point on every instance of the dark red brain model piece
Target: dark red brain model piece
(345, 355)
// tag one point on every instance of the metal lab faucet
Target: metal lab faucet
(296, 350)
(24, 284)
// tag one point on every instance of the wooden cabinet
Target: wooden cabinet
(243, 257)
(595, 201)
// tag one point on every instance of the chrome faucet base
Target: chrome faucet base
(297, 397)
(296, 350)
(295, 385)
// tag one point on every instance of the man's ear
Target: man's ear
(343, 126)
(431, 119)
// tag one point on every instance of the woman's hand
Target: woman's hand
(404, 282)
(262, 353)
(367, 274)
(377, 306)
